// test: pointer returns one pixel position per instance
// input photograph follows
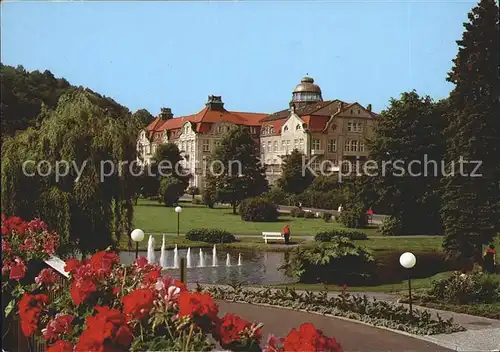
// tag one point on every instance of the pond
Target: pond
(256, 267)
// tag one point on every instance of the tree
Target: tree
(193, 191)
(237, 171)
(471, 205)
(407, 147)
(91, 206)
(172, 176)
(295, 177)
(354, 213)
(144, 116)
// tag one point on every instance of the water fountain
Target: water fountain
(214, 256)
(240, 263)
(202, 259)
(228, 260)
(188, 258)
(164, 254)
(176, 258)
(151, 250)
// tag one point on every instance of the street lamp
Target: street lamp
(408, 261)
(178, 210)
(137, 236)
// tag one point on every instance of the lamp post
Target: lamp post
(408, 261)
(137, 236)
(178, 210)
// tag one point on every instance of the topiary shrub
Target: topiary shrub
(210, 236)
(339, 262)
(171, 189)
(258, 209)
(390, 226)
(327, 216)
(354, 217)
(309, 215)
(297, 212)
(327, 236)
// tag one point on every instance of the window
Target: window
(301, 144)
(275, 146)
(269, 146)
(217, 144)
(295, 144)
(316, 164)
(148, 149)
(361, 147)
(288, 144)
(206, 145)
(347, 145)
(354, 146)
(316, 144)
(220, 129)
(154, 148)
(332, 145)
(353, 126)
(285, 129)
(297, 127)
(283, 145)
(183, 146)
(263, 146)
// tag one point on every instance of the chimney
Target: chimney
(369, 107)
(166, 114)
(341, 106)
(215, 103)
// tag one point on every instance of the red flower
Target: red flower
(103, 261)
(307, 338)
(232, 328)
(17, 269)
(61, 346)
(46, 276)
(138, 303)
(81, 289)
(71, 265)
(197, 304)
(140, 262)
(124, 336)
(29, 311)
(61, 324)
(152, 277)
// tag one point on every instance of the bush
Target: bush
(258, 209)
(193, 191)
(328, 236)
(210, 236)
(196, 201)
(390, 226)
(171, 189)
(208, 197)
(475, 287)
(354, 217)
(339, 262)
(276, 195)
(327, 216)
(297, 212)
(309, 215)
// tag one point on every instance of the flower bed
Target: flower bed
(111, 307)
(378, 313)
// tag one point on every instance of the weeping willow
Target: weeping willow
(87, 130)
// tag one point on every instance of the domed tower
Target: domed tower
(306, 92)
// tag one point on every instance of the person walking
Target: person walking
(339, 210)
(286, 233)
(490, 260)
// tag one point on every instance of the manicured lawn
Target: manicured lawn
(151, 216)
(396, 287)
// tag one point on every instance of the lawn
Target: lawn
(151, 216)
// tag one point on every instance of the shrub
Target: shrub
(276, 195)
(208, 197)
(171, 189)
(193, 191)
(297, 212)
(475, 287)
(327, 216)
(210, 236)
(258, 209)
(309, 215)
(390, 226)
(328, 236)
(354, 217)
(196, 201)
(339, 261)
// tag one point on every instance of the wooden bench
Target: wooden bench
(272, 236)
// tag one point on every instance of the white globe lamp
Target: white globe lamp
(137, 236)
(408, 261)
(178, 210)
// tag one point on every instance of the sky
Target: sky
(252, 53)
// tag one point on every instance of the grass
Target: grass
(402, 286)
(151, 216)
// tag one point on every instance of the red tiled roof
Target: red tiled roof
(316, 123)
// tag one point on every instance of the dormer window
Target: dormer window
(220, 129)
(285, 129)
(297, 127)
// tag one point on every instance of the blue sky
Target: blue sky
(253, 53)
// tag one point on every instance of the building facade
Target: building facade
(326, 132)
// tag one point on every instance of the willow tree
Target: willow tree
(90, 201)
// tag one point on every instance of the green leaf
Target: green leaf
(10, 307)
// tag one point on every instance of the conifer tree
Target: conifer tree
(471, 205)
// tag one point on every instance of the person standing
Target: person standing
(490, 260)
(286, 233)
(339, 210)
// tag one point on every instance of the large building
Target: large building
(326, 132)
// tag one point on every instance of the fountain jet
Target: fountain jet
(188, 258)
(228, 260)
(214, 256)
(202, 259)
(176, 258)
(151, 250)
(240, 263)
(164, 254)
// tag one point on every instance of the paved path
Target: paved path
(352, 336)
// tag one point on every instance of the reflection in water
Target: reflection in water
(257, 267)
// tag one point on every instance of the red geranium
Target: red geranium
(46, 276)
(231, 329)
(61, 324)
(71, 265)
(138, 303)
(61, 346)
(152, 277)
(81, 289)
(29, 311)
(17, 269)
(103, 261)
(308, 338)
(197, 304)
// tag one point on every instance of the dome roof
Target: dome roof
(307, 85)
